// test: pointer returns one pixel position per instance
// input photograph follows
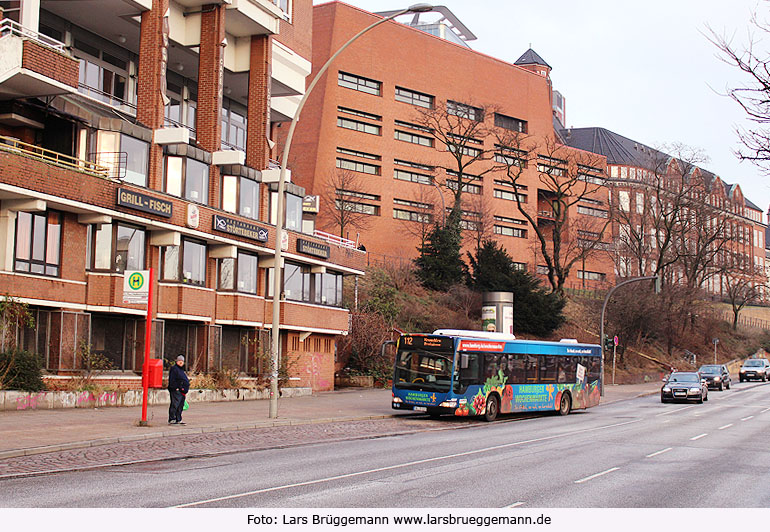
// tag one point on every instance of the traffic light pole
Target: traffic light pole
(604, 308)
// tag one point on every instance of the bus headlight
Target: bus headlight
(397, 400)
(452, 403)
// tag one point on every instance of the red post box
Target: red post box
(155, 373)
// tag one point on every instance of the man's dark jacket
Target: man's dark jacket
(177, 379)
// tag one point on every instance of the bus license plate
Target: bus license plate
(420, 409)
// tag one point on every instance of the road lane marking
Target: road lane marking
(586, 479)
(725, 426)
(674, 411)
(746, 418)
(699, 436)
(402, 465)
(765, 410)
(656, 453)
(516, 504)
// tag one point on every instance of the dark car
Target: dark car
(755, 368)
(684, 386)
(716, 376)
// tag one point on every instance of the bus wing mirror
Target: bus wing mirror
(385, 346)
(464, 361)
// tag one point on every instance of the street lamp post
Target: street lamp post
(716, 341)
(604, 307)
(276, 326)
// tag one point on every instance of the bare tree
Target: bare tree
(419, 211)
(742, 286)
(754, 96)
(343, 203)
(565, 177)
(461, 128)
(478, 218)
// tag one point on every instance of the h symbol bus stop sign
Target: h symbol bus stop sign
(136, 286)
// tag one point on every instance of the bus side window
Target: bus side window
(531, 369)
(548, 371)
(470, 371)
(594, 369)
(567, 369)
(517, 369)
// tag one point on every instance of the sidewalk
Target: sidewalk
(39, 431)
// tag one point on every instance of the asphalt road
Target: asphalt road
(636, 453)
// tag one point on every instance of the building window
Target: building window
(414, 177)
(188, 175)
(521, 266)
(357, 153)
(102, 75)
(356, 112)
(359, 83)
(510, 231)
(127, 253)
(240, 195)
(590, 276)
(465, 150)
(355, 206)
(465, 111)
(243, 269)
(510, 123)
(356, 125)
(190, 268)
(590, 211)
(38, 243)
(410, 125)
(296, 282)
(413, 97)
(413, 138)
(507, 220)
(293, 207)
(356, 166)
(125, 157)
(467, 187)
(233, 125)
(624, 200)
(510, 196)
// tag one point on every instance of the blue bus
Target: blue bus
(478, 373)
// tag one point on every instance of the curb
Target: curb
(30, 451)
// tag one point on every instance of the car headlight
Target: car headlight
(695, 390)
(717, 379)
(666, 389)
(743, 370)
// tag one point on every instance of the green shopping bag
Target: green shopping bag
(186, 405)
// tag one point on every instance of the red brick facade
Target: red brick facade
(50, 63)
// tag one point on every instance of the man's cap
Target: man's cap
(180, 357)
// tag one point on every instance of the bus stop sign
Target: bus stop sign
(136, 286)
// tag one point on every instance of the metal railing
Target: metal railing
(13, 145)
(333, 239)
(109, 99)
(11, 27)
(115, 162)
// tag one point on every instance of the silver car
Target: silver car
(755, 368)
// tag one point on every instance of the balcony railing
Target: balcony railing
(333, 239)
(109, 99)
(13, 145)
(11, 27)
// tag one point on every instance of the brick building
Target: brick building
(704, 213)
(364, 144)
(138, 134)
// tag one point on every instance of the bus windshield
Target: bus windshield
(422, 370)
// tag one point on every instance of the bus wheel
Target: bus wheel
(493, 408)
(565, 405)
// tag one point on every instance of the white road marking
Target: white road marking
(402, 465)
(586, 479)
(674, 411)
(699, 436)
(725, 426)
(514, 505)
(746, 418)
(656, 453)
(765, 410)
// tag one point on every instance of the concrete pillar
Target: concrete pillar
(151, 86)
(30, 14)
(257, 149)
(210, 86)
(7, 238)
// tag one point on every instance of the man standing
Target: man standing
(178, 385)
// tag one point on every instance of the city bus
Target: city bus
(478, 373)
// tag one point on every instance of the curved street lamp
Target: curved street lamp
(604, 307)
(276, 326)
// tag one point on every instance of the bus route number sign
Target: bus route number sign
(136, 286)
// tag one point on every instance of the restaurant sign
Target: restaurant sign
(239, 228)
(313, 248)
(144, 203)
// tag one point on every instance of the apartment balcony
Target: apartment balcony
(33, 64)
(252, 17)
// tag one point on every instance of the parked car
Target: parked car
(716, 376)
(755, 368)
(684, 386)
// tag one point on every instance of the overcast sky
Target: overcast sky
(644, 70)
